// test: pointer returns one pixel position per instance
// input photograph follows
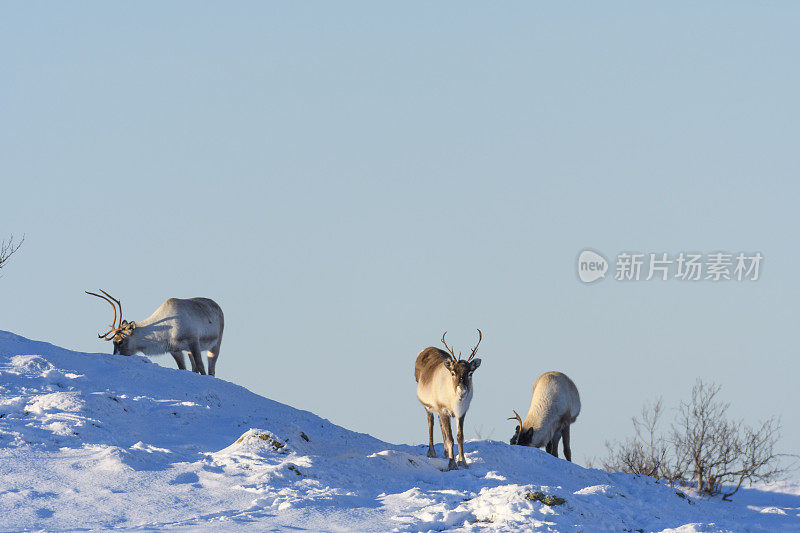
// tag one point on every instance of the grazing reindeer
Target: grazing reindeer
(554, 406)
(193, 325)
(444, 386)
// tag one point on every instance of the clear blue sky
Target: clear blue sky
(349, 180)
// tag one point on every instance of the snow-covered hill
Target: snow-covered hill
(100, 441)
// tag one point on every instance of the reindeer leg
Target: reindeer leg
(462, 461)
(447, 434)
(567, 449)
(178, 356)
(431, 450)
(213, 354)
(554, 443)
(192, 361)
(197, 357)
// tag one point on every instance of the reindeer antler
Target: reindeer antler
(475, 349)
(111, 300)
(450, 349)
(117, 302)
(517, 417)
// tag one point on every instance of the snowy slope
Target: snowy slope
(100, 441)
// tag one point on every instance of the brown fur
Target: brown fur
(427, 360)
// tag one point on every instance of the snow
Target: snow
(109, 442)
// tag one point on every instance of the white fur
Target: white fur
(439, 395)
(180, 325)
(555, 398)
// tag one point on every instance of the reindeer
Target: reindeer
(554, 406)
(193, 325)
(444, 386)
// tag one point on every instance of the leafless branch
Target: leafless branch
(646, 452)
(8, 248)
(718, 454)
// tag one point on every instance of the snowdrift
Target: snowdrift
(100, 441)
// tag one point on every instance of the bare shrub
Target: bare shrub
(481, 433)
(8, 248)
(646, 452)
(704, 447)
(716, 450)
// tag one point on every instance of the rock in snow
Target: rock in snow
(100, 441)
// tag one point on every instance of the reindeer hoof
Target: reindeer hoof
(432, 453)
(462, 463)
(452, 465)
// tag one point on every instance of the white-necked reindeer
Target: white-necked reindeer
(444, 387)
(193, 325)
(555, 405)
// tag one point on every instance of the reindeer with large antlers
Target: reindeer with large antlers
(178, 325)
(444, 387)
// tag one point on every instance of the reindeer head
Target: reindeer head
(461, 370)
(523, 438)
(120, 335)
